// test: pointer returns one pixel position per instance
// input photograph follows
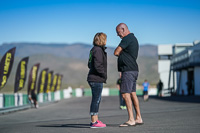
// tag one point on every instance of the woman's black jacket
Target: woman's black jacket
(97, 64)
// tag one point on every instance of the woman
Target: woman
(97, 76)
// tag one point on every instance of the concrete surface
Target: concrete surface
(177, 114)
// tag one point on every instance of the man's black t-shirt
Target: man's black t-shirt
(128, 56)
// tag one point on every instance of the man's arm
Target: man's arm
(118, 50)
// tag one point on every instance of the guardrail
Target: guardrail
(19, 100)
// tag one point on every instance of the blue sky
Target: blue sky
(71, 21)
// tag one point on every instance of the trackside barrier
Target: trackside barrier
(20, 95)
(40, 97)
(45, 97)
(57, 95)
(52, 96)
(113, 92)
(79, 92)
(153, 91)
(1, 100)
(9, 100)
(74, 92)
(110, 92)
(19, 99)
(67, 93)
(16, 99)
(61, 94)
(25, 99)
(105, 92)
(49, 96)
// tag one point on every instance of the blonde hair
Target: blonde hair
(100, 39)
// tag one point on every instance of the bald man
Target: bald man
(127, 52)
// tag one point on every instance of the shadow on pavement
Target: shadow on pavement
(75, 125)
(67, 125)
(187, 99)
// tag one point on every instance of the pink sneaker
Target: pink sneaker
(100, 122)
(97, 124)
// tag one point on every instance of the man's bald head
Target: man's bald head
(122, 30)
(122, 25)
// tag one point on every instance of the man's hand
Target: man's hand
(118, 50)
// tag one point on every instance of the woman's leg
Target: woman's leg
(96, 99)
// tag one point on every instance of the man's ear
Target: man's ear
(123, 29)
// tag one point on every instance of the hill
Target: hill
(71, 61)
(76, 50)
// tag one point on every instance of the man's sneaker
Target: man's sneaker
(97, 124)
(37, 106)
(124, 107)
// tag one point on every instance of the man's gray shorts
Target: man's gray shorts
(128, 81)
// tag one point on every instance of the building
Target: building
(164, 56)
(186, 65)
(182, 61)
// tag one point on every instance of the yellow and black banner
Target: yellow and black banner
(6, 66)
(33, 78)
(54, 83)
(49, 81)
(59, 82)
(21, 73)
(42, 85)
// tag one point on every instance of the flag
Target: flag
(54, 83)
(42, 81)
(33, 78)
(21, 73)
(49, 81)
(6, 66)
(59, 82)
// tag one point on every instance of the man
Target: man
(145, 90)
(127, 53)
(121, 100)
(160, 86)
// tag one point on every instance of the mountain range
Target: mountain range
(71, 61)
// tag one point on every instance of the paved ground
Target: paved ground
(175, 114)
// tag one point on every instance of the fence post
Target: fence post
(105, 92)
(79, 92)
(1, 100)
(20, 99)
(49, 96)
(57, 95)
(45, 97)
(52, 96)
(16, 99)
(67, 93)
(40, 97)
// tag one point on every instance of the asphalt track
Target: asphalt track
(160, 115)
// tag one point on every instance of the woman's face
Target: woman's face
(105, 42)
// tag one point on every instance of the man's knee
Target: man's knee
(125, 96)
(133, 94)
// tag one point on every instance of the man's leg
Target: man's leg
(136, 107)
(120, 99)
(146, 97)
(128, 101)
